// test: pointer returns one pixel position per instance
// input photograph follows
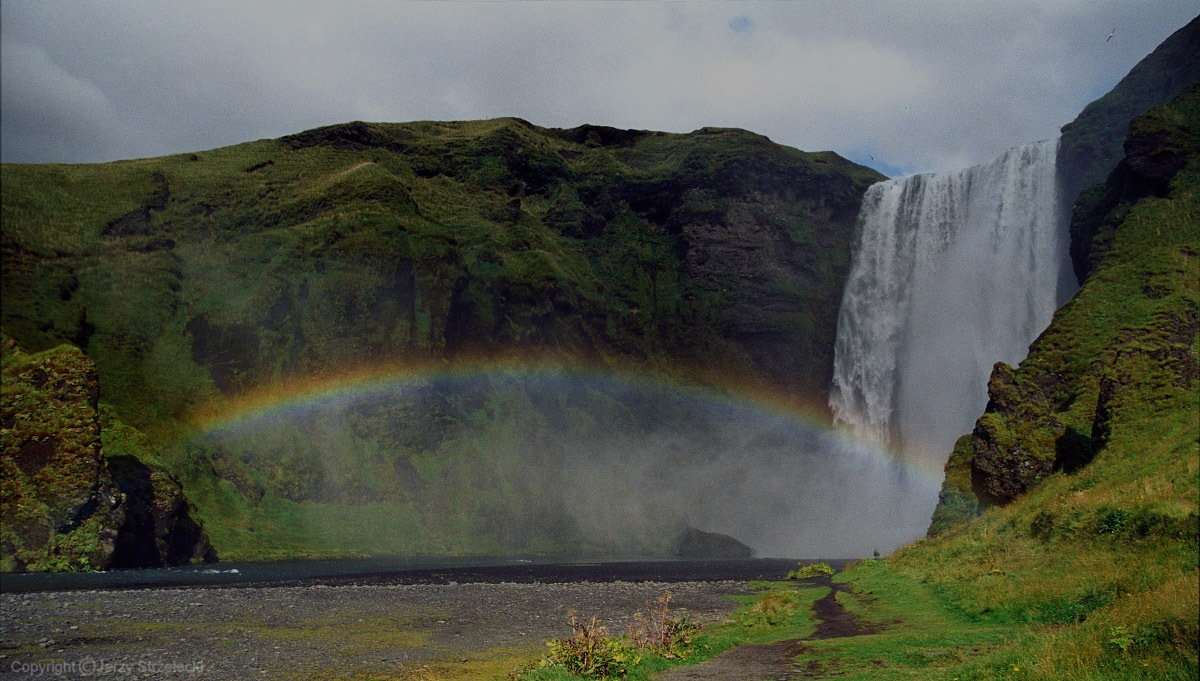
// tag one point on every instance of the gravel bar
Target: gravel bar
(343, 628)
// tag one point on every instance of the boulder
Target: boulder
(693, 543)
(60, 505)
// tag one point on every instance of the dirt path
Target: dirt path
(775, 661)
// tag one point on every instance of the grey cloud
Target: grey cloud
(976, 78)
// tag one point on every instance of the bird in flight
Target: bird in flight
(1110, 35)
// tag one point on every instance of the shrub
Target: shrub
(667, 636)
(589, 651)
(811, 570)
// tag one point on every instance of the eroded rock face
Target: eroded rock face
(158, 528)
(61, 508)
(1013, 441)
(65, 506)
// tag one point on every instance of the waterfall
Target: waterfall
(953, 272)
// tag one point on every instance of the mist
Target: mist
(565, 462)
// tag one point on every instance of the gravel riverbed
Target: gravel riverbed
(317, 631)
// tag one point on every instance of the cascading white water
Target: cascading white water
(953, 272)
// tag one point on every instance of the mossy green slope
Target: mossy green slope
(191, 279)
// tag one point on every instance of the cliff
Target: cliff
(1091, 144)
(710, 257)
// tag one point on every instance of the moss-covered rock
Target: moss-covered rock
(75, 494)
(61, 508)
(1013, 443)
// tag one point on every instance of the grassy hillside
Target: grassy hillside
(193, 280)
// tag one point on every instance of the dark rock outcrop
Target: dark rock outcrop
(158, 529)
(693, 543)
(1013, 442)
(1091, 144)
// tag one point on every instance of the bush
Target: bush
(590, 651)
(811, 570)
(655, 631)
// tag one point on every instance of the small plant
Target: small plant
(589, 651)
(811, 570)
(1121, 637)
(1111, 520)
(656, 631)
(770, 609)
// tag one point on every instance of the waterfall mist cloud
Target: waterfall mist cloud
(901, 86)
(569, 462)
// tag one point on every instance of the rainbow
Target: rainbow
(293, 398)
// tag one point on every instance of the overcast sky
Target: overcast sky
(903, 86)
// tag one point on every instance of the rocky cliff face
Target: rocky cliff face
(1091, 144)
(1124, 346)
(348, 244)
(67, 505)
